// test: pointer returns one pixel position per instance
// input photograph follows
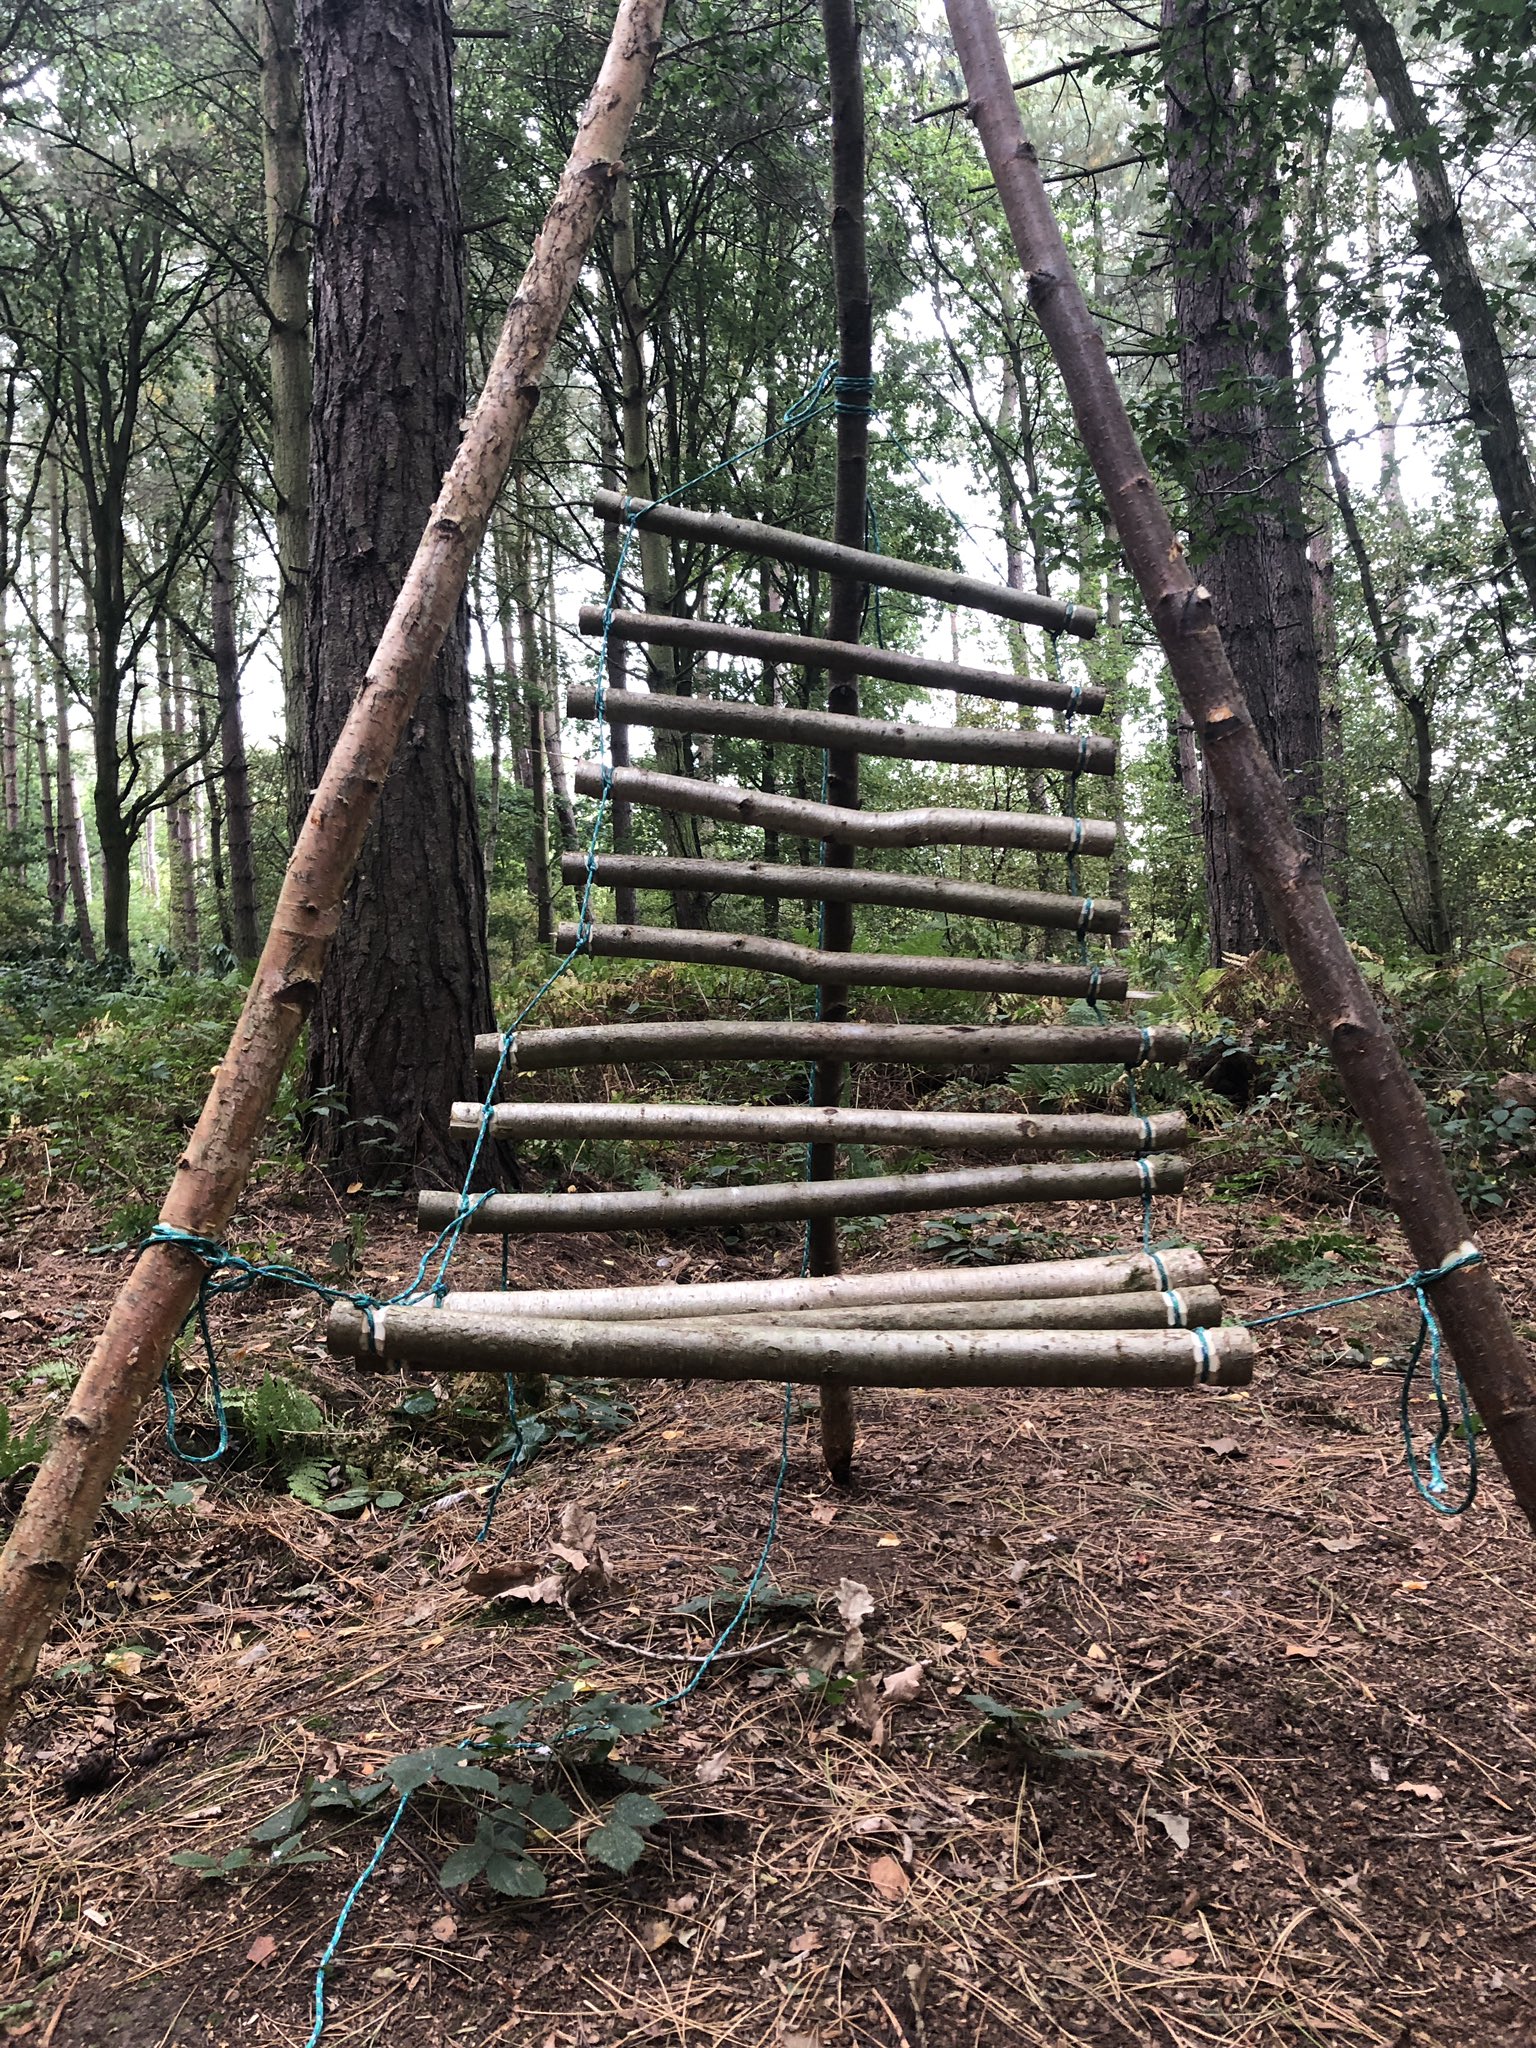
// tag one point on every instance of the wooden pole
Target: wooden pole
(881, 1194)
(1472, 1314)
(913, 1045)
(1195, 1308)
(432, 1338)
(750, 537)
(978, 745)
(803, 820)
(886, 664)
(933, 893)
(779, 1124)
(1039, 1280)
(54, 1525)
(854, 970)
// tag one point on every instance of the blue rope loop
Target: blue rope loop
(1432, 1488)
(853, 395)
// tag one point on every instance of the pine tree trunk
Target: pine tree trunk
(1443, 237)
(8, 722)
(71, 824)
(210, 795)
(621, 820)
(245, 940)
(554, 748)
(58, 880)
(408, 984)
(538, 778)
(681, 835)
(285, 178)
(1248, 527)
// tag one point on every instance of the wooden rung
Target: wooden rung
(1189, 1308)
(848, 828)
(438, 1340)
(970, 1187)
(750, 537)
(1112, 1273)
(882, 664)
(913, 1045)
(1195, 1308)
(979, 746)
(933, 893)
(710, 1123)
(844, 970)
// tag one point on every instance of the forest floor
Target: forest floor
(1301, 1811)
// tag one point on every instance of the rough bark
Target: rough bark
(245, 934)
(389, 351)
(1472, 1314)
(621, 822)
(9, 727)
(1443, 237)
(71, 824)
(285, 177)
(1247, 521)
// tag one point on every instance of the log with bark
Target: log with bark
(850, 828)
(837, 558)
(816, 965)
(980, 746)
(885, 664)
(914, 1045)
(888, 1358)
(878, 1194)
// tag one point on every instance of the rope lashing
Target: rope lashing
(853, 395)
(1085, 914)
(1174, 1303)
(1206, 1361)
(1432, 1490)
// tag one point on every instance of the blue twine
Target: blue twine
(1431, 1490)
(328, 1953)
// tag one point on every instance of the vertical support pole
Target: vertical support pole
(1381, 1091)
(855, 325)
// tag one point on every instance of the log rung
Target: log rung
(842, 970)
(1174, 1309)
(881, 664)
(794, 1201)
(750, 537)
(711, 1123)
(1114, 1273)
(803, 820)
(847, 885)
(977, 746)
(916, 1045)
(437, 1340)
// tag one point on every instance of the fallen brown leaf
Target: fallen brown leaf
(261, 1950)
(888, 1878)
(446, 1928)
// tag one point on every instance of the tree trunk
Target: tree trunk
(8, 723)
(621, 822)
(181, 878)
(285, 178)
(58, 879)
(71, 824)
(494, 688)
(554, 749)
(1246, 516)
(538, 767)
(681, 836)
(246, 935)
(209, 795)
(409, 980)
(1443, 238)
(845, 611)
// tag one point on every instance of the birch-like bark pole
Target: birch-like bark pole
(50, 1535)
(1381, 1091)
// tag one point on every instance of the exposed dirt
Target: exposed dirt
(1306, 1817)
